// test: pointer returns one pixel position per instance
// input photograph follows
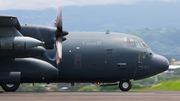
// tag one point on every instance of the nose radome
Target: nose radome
(158, 64)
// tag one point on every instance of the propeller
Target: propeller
(60, 33)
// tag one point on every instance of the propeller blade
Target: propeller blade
(59, 36)
(59, 20)
(59, 49)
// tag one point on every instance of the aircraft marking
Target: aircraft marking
(145, 67)
(90, 43)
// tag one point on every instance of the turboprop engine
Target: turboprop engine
(13, 44)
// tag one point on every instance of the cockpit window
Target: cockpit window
(135, 43)
(144, 44)
(141, 56)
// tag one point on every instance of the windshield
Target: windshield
(137, 43)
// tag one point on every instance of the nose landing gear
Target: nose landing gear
(125, 85)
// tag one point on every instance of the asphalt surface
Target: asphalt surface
(91, 96)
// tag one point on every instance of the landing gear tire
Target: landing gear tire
(125, 85)
(10, 87)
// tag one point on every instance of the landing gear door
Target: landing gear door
(77, 61)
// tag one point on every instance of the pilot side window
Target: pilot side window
(144, 44)
(141, 56)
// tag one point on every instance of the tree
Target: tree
(161, 78)
(87, 88)
(177, 71)
(136, 86)
(22, 86)
(77, 86)
(56, 89)
(36, 88)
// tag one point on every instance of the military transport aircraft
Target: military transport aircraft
(33, 54)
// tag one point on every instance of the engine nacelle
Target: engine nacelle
(27, 70)
(43, 33)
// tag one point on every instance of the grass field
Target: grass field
(172, 85)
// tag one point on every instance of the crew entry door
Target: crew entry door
(77, 61)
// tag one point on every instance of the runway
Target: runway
(91, 96)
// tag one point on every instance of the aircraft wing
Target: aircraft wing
(9, 21)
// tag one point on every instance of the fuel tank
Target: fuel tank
(32, 70)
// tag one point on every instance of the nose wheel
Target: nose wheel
(125, 85)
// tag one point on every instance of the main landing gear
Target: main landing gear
(10, 87)
(125, 85)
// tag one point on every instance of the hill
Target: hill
(147, 14)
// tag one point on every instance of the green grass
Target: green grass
(172, 85)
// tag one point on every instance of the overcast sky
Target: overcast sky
(43, 4)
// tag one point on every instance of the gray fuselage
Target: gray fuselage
(99, 57)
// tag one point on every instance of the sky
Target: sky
(44, 4)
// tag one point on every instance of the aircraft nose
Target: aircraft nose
(158, 64)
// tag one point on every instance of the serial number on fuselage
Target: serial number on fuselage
(145, 67)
